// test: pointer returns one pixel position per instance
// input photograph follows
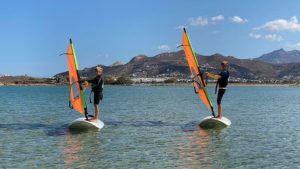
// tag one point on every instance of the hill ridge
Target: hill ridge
(173, 64)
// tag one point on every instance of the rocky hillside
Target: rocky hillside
(173, 64)
(26, 80)
(281, 56)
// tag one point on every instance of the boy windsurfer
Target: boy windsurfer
(222, 81)
(97, 89)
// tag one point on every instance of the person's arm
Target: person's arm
(213, 76)
(90, 80)
(86, 80)
(85, 83)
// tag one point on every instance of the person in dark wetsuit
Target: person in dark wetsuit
(222, 81)
(97, 89)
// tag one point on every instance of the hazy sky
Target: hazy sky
(34, 32)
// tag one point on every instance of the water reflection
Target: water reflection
(202, 148)
(81, 149)
(72, 152)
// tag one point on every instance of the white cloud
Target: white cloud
(203, 21)
(180, 27)
(273, 37)
(217, 18)
(269, 37)
(164, 47)
(198, 21)
(294, 46)
(237, 19)
(255, 36)
(281, 24)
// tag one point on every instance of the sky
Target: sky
(33, 32)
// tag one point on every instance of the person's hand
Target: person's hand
(206, 74)
(86, 84)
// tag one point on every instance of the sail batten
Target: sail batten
(196, 73)
(76, 97)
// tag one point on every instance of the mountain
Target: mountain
(281, 56)
(173, 64)
(117, 63)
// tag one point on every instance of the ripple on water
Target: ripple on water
(151, 127)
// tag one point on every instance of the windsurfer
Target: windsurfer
(222, 81)
(97, 89)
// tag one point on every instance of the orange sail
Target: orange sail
(77, 98)
(198, 82)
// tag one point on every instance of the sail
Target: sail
(196, 74)
(76, 98)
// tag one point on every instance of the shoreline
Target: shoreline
(42, 84)
(168, 84)
(266, 84)
(32, 81)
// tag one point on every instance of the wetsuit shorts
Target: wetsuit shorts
(220, 95)
(98, 96)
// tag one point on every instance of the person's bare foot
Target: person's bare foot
(94, 119)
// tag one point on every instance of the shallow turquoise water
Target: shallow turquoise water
(151, 127)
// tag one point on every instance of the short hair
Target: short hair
(225, 63)
(98, 68)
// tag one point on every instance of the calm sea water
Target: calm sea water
(151, 127)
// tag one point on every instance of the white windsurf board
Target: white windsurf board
(83, 124)
(211, 122)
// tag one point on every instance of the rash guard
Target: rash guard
(223, 81)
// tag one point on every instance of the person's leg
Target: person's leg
(96, 107)
(219, 111)
(219, 99)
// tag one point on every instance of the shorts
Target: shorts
(98, 96)
(220, 95)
